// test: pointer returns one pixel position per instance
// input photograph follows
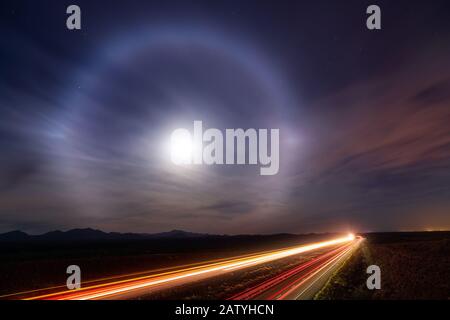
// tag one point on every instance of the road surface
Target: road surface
(131, 287)
(303, 281)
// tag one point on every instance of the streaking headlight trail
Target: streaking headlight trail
(131, 287)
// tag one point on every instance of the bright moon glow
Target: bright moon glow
(181, 147)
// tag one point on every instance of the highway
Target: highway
(132, 287)
(303, 281)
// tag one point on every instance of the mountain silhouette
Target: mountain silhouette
(88, 234)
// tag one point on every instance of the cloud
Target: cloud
(229, 207)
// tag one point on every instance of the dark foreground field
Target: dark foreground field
(413, 266)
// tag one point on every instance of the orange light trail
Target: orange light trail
(116, 289)
(253, 292)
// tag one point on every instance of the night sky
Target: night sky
(86, 116)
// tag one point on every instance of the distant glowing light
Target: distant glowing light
(181, 147)
(351, 236)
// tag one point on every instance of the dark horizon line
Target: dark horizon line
(209, 234)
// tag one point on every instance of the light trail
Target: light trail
(294, 285)
(115, 289)
(305, 278)
(253, 292)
